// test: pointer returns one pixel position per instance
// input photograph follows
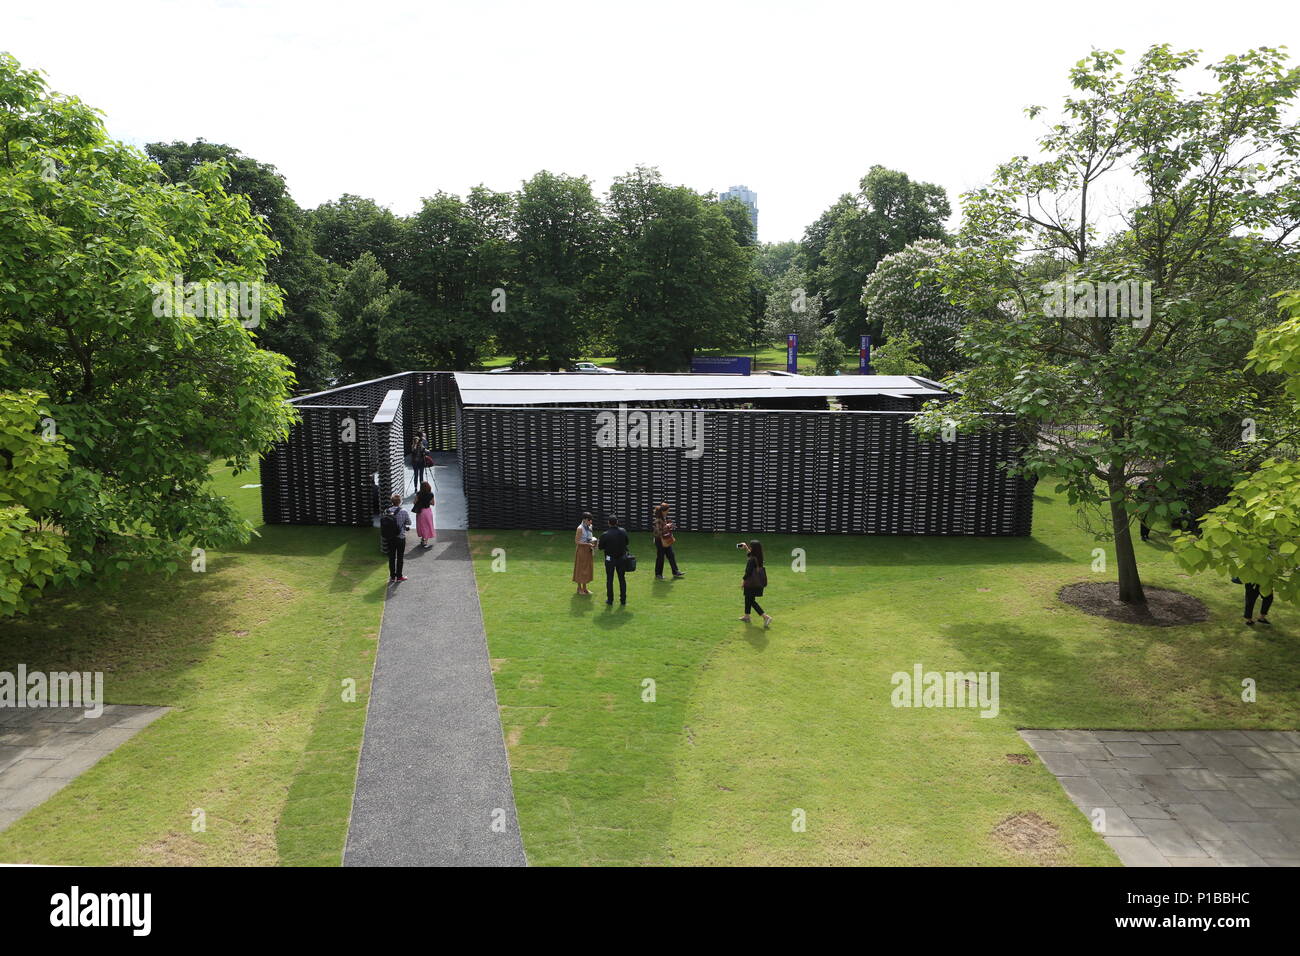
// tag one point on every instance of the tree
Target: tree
(898, 356)
(791, 309)
(457, 261)
(1254, 535)
(365, 312)
(842, 248)
(903, 297)
(33, 463)
(342, 230)
(678, 279)
(145, 386)
(774, 259)
(304, 332)
(829, 352)
(558, 246)
(742, 226)
(1121, 353)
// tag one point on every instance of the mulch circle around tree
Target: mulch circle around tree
(1164, 608)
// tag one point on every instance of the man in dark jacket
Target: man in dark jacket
(614, 543)
(392, 534)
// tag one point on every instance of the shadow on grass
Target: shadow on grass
(152, 629)
(610, 617)
(756, 635)
(355, 547)
(1127, 677)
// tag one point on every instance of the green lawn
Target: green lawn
(251, 655)
(748, 726)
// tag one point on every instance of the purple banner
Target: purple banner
(864, 355)
(792, 353)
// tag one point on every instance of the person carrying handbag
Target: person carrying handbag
(754, 581)
(665, 537)
(614, 543)
(419, 458)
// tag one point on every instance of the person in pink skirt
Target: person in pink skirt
(424, 515)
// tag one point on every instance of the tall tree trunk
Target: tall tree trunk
(1130, 584)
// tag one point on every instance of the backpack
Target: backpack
(388, 525)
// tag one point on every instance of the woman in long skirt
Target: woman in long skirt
(584, 543)
(424, 516)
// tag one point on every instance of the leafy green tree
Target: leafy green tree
(774, 259)
(903, 297)
(145, 388)
(344, 229)
(811, 254)
(1121, 354)
(304, 332)
(842, 248)
(365, 310)
(558, 245)
(678, 279)
(898, 356)
(790, 308)
(458, 260)
(33, 464)
(1255, 534)
(758, 286)
(742, 226)
(829, 352)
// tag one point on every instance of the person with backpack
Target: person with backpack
(665, 536)
(423, 509)
(614, 543)
(393, 524)
(754, 581)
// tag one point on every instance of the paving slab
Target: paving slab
(1233, 853)
(1137, 851)
(60, 745)
(1171, 838)
(1184, 798)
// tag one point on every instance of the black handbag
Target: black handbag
(629, 562)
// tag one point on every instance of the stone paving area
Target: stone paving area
(43, 749)
(1184, 797)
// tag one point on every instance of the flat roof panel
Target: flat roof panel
(517, 388)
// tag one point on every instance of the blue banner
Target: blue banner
(792, 353)
(722, 365)
(864, 355)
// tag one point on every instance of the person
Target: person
(1252, 595)
(423, 509)
(392, 529)
(754, 581)
(584, 542)
(614, 543)
(419, 449)
(664, 538)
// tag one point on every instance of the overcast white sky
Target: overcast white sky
(395, 100)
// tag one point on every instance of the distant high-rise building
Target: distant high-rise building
(750, 199)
